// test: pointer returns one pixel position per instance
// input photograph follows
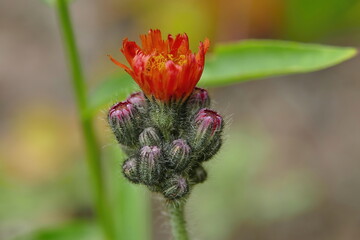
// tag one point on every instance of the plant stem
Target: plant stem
(91, 146)
(178, 222)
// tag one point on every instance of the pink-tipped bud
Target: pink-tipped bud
(138, 100)
(207, 128)
(176, 187)
(209, 122)
(198, 99)
(150, 165)
(123, 119)
(149, 136)
(179, 155)
(121, 112)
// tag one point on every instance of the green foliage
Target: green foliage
(254, 59)
(114, 89)
(53, 2)
(308, 20)
(239, 62)
(71, 231)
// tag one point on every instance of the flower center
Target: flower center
(157, 62)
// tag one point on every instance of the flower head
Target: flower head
(166, 70)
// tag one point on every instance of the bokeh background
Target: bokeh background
(289, 168)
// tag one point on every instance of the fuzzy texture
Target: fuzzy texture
(172, 143)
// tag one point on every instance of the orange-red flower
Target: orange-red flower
(164, 69)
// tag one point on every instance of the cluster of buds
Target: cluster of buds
(167, 156)
(167, 130)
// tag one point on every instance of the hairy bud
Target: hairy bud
(197, 175)
(211, 150)
(138, 100)
(149, 137)
(130, 170)
(178, 155)
(198, 99)
(208, 126)
(124, 118)
(149, 165)
(176, 187)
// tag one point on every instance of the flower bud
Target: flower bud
(208, 126)
(130, 170)
(198, 175)
(124, 119)
(198, 99)
(149, 165)
(211, 150)
(178, 155)
(138, 100)
(176, 187)
(149, 137)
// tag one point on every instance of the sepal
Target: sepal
(176, 187)
(178, 155)
(149, 165)
(130, 170)
(124, 120)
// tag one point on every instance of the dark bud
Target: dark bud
(198, 175)
(178, 157)
(176, 187)
(208, 126)
(149, 165)
(130, 170)
(138, 100)
(149, 137)
(198, 99)
(124, 118)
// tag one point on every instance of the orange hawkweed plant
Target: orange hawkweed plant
(167, 130)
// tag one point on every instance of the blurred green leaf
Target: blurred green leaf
(129, 203)
(308, 20)
(254, 59)
(239, 62)
(240, 179)
(53, 2)
(71, 231)
(114, 89)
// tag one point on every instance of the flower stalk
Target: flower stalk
(178, 222)
(91, 146)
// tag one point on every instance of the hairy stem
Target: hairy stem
(178, 222)
(91, 146)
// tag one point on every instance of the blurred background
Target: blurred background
(290, 165)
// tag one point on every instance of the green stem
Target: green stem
(178, 222)
(91, 146)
